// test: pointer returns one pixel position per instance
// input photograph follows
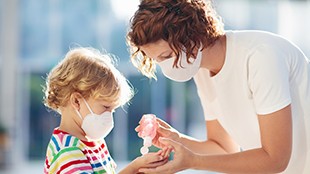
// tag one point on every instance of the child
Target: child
(85, 88)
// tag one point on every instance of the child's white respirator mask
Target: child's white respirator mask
(97, 126)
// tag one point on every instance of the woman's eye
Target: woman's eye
(107, 107)
(169, 56)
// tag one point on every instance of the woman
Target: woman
(253, 86)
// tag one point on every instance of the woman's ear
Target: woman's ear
(75, 100)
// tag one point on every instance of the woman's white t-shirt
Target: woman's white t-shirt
(262, 73)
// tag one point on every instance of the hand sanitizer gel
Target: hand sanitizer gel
(148, 132)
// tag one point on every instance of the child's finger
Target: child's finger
(152, 157)
(159, 152)
(157, 163)
(163, 151)
(168, 151)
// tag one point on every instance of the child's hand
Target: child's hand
(152, 160)
(165, 152)
(148, 161)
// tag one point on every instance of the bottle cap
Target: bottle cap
(147, 141)
(144, 150)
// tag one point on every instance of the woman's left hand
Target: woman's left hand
(183, 159)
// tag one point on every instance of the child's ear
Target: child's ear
(75, 100)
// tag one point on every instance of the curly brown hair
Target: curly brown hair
(91, 74)
(184, 24)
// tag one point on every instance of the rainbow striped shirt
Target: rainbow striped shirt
(67, 154)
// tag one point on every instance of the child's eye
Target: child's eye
(107, 107)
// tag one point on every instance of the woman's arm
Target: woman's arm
(218, 140)
(272, 157)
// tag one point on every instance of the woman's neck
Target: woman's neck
(213, 57)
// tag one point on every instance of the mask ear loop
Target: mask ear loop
(79, 114)
(88, 106)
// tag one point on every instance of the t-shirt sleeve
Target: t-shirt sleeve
(268, 75)
(70, 160)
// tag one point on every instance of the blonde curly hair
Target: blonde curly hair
(182, 23)
(90, 73)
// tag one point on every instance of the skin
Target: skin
(220, 153)
(71, 123)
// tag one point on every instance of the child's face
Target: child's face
(97, 106)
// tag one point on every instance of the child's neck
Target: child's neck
(71, 124)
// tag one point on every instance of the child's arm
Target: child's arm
(150, 160)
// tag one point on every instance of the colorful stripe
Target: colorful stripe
(67, 154)
(71, 164)
(79, 169)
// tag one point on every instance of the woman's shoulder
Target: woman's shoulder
(250, 32)
(254, 36)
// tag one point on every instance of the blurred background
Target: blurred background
(36, 34)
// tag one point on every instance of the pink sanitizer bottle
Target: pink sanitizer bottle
(148, 131)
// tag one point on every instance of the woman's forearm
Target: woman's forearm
(251, 161)
(211, 156)
(202, 147)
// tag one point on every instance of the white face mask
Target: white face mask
(96, 126)
(184, 72)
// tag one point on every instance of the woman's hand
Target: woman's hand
(183, 159)
(163, 130)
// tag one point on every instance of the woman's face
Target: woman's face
(158, 51)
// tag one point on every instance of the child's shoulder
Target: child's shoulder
(61, 140)
(64, 147)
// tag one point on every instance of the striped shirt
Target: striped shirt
(67, 154)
